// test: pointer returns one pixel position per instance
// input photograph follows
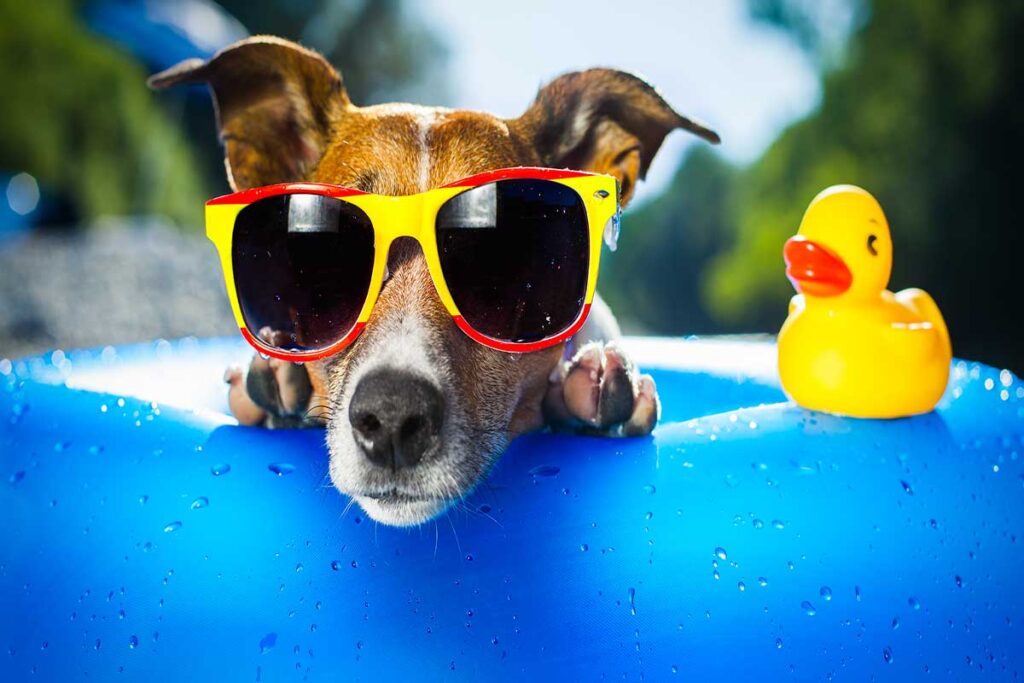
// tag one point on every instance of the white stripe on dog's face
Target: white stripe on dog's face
(426, 121)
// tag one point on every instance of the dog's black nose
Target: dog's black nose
(396, 417)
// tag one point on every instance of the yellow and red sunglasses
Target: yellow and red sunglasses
(513, 255)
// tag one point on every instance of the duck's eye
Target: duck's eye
(871, 244)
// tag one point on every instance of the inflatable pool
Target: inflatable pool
(145, 536)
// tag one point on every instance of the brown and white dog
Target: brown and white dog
(284, 116)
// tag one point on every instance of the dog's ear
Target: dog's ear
(275, 103)
(604, 121)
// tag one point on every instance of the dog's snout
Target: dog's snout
(396, 417)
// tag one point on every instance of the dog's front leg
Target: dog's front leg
(274, 393)
(599, 388)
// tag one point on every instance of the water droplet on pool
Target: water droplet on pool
(895, 623)
(173, 526)
(95, 450)
(650, 488)
(914, 603)
(762, 581)
(133, 642)
(757, 523)
(267, 643)
(887, 654)
(299, 568)
(632, 601)
(544, 471)
(959, 581)
(649, 515)
(98, 644)
(720, 553)
(907, 487)
(335, 565)
(808, 608)
(826, 593)
(200, 502)
(281, 468)
(584, 547)
(220, 469)
(313, 628)
(355, 565)
(741, 586)
(778, 524)
(143, 500)
(17, 476)
(675, 669)
(715, 575)
(856, 593)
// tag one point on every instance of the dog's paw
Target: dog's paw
(273, 393)
(601, 390)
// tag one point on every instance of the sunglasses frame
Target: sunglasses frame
(414, 216)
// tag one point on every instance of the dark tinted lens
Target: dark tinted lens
(302, 268)
(515, 255)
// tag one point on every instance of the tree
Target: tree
(923, 109)
(77, 115)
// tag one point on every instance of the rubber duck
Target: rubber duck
(849, 345)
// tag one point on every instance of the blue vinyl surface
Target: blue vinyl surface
(747, 539)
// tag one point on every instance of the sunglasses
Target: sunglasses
(512, 253)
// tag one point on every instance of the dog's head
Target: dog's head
(412, 377)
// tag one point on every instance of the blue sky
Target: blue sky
(707, 58)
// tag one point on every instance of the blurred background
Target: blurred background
(102, 182)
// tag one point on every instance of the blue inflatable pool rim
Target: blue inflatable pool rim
(146, 535)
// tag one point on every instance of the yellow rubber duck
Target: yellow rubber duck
(849, 345)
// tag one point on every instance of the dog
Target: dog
(284, 116)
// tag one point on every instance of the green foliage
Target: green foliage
(665, 248)
(77, 113)
(78, 116)
(925, 113)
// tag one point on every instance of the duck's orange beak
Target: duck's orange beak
(815, 270)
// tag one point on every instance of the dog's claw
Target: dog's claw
(646, 409)
(601, 390)
(242, 406)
